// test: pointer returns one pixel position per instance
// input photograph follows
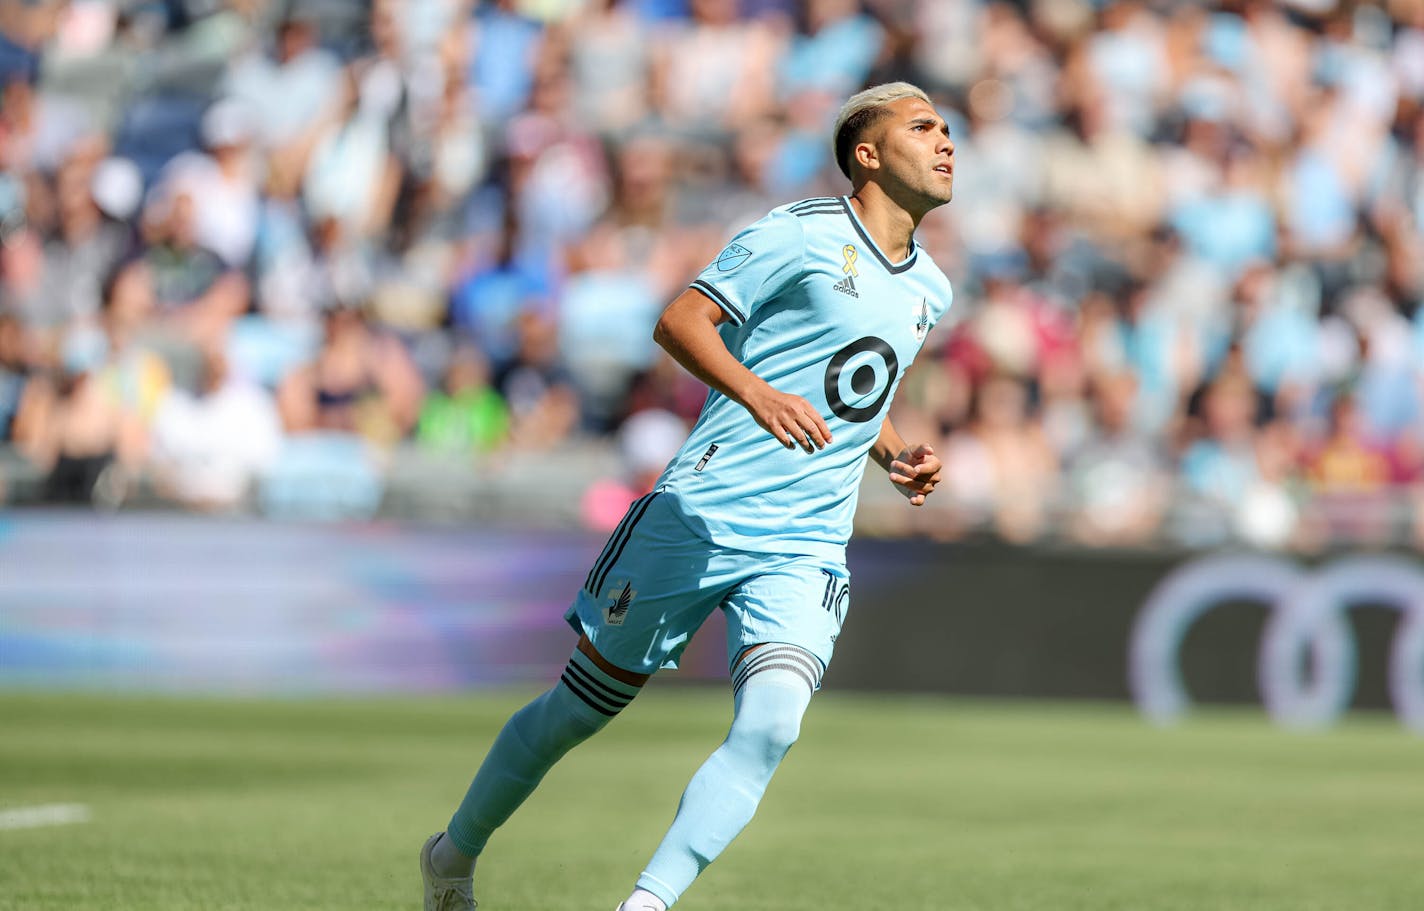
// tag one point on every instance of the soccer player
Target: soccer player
(802, 327)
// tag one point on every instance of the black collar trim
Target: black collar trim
(892, 268)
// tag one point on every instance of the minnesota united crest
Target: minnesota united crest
(615, 613)
(922, 319)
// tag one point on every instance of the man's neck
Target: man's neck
(888, 223)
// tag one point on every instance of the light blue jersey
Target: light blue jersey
(816, 310)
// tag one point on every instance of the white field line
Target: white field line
(49, 814)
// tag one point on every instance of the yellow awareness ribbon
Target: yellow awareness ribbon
(848, 251)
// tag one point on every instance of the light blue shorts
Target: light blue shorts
(656, 581)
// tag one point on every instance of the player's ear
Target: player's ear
(866, 155)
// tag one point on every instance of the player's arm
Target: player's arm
(914, 471)
(687, 330)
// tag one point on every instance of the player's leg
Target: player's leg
(628, 612)
(722, 797)
(589, 694)
(781, 628)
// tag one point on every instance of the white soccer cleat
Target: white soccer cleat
(442, 894)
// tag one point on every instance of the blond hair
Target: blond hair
(863, 109)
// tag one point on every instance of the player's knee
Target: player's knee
(768, 720)
(554, 723)
(768, 737)
(773, 685)
(559, 720)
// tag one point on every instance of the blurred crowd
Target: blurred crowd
(252, 252)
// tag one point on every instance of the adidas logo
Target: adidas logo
(846, 286)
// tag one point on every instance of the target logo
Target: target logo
(859, 379)
(1307, 661)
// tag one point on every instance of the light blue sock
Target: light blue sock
(723, 795)
(583, 701)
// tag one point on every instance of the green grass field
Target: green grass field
(886, 803)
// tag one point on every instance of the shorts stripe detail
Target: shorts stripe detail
(608, 548)
(574, 688)
(627, 536)
(610, 696)
(779, 657)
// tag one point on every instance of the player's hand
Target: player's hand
(789, 418)
(915, 472)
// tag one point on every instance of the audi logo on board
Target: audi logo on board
(1307, 620)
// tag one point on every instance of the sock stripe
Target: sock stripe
(608, 548)
(811, 665)
(616, 688)
(627, 536)
(577, 690)
(779, 658)
(588, 687)
(792, 652)
(616, 702)
(797, 669)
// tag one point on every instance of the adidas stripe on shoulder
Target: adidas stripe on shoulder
(819, 205)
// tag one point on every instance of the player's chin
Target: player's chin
(942, 193)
